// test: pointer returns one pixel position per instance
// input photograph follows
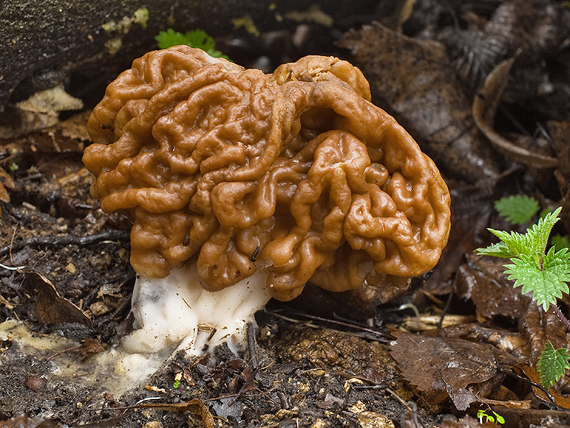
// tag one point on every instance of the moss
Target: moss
(114, 45)
(312, 14)
(140, 17)
(122, 27)
(247, 23)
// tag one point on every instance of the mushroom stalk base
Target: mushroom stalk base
(176, 313)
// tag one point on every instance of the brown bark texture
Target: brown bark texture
(43, 41)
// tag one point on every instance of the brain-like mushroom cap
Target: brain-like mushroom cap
(295, 172)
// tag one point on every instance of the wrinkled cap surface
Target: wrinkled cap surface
(294, 172)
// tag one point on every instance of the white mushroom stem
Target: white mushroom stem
(176, 312)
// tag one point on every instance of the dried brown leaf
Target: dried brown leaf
(468, 422)
(196, 407)
(533, 375)
(90, 347)
(513, 345)
(4, 196)
(24, 421)
(540, 327)
(483, 280)
(471, 209)
(6, 183)
(485, 106)
(414, 80)
(443, 367)
(51, 307)
(560, 134)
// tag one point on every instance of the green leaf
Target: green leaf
(517, 209)
(195, 39)
(500, 419)
(546, 282)
(496, 250)
(532, 243)
(513, 245)
(538, 234)
(552, 363)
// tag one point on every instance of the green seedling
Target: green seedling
(552, 364)
(484, 417)
(542, 273)
(195, 39)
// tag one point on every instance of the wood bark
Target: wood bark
(43, 41)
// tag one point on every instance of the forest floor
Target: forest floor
(458, 348)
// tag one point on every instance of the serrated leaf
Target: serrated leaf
(496, 250)
(538, 233)
(552, 363)
(547, 283)
(515, 243)
(517, 209)
(532, 243)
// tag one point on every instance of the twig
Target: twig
(447, 305)
(251, 346)
(560, 316)
(11, 267)
(61, 241)
(400, 399)
(533, 383)
(341, 323)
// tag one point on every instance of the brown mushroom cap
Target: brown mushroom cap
(296, 172)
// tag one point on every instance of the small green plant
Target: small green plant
(484, 417)
(517, 209)
(552, 363)
(194, 39)
(542, 273)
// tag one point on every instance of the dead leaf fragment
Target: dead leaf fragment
(485, 106)
(540, 327)
(414, 80)
(441, 367)
(24, 421)
(195, 407)
(51, 307)
(6, 183)
(40, 111)
(560, 134)
(513, 345)
(483, 281)
(533, 375)
(468, 422)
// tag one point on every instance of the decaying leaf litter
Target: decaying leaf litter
(495, 120)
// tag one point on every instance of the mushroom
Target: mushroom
(244, 186)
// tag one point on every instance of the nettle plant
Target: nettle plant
(544, 272)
